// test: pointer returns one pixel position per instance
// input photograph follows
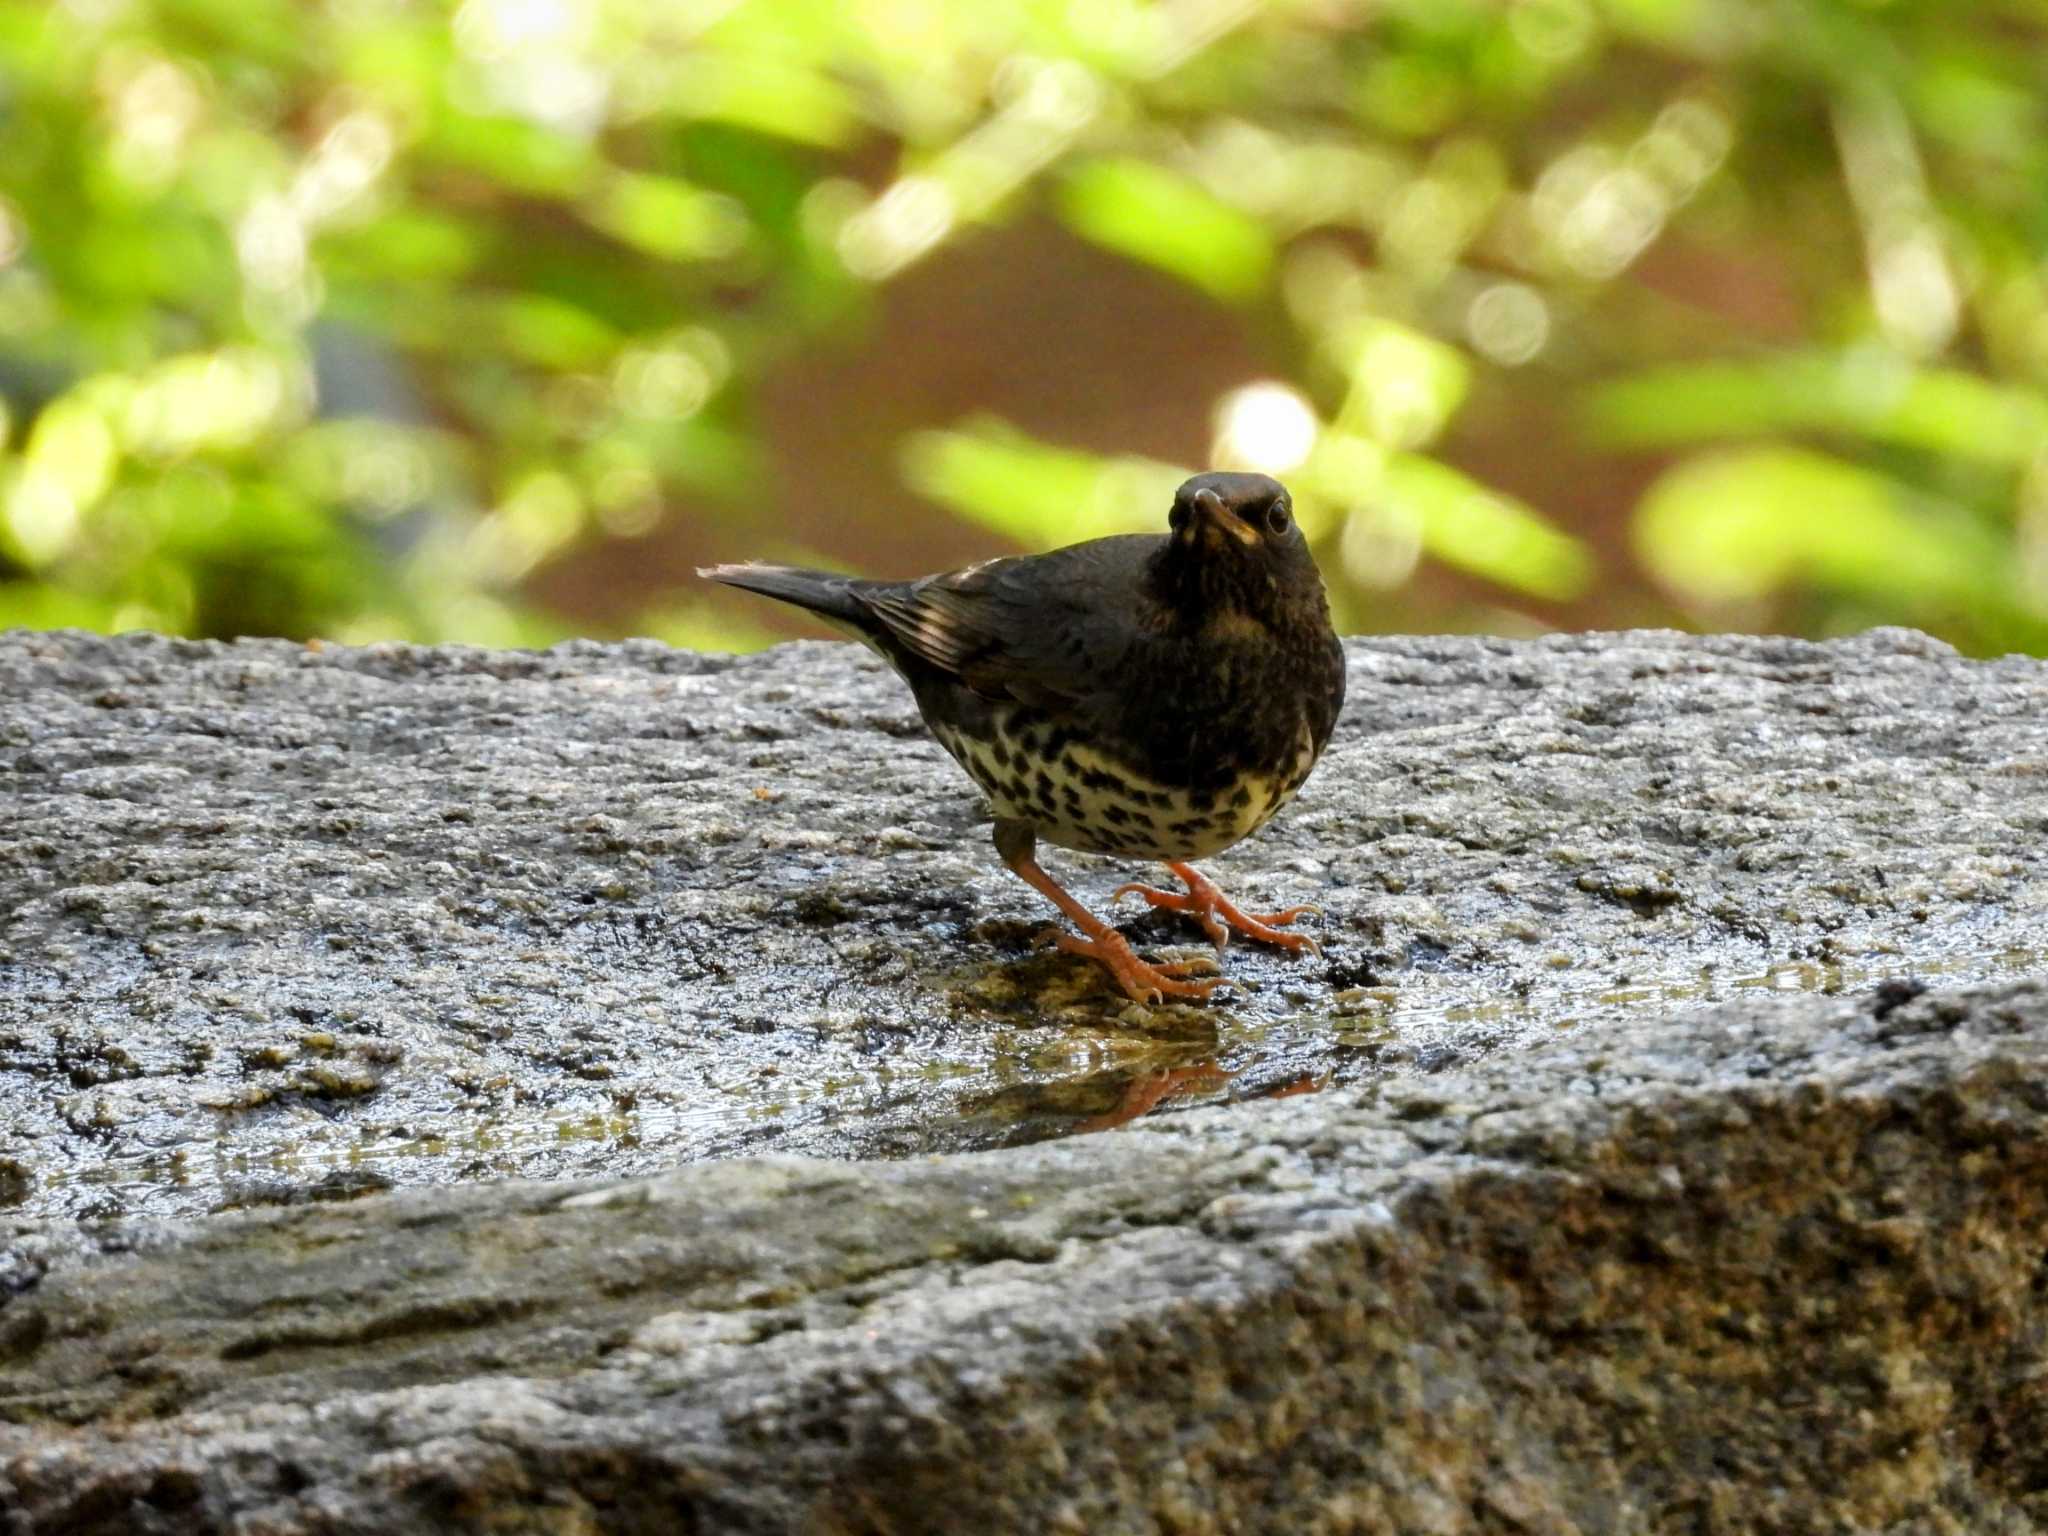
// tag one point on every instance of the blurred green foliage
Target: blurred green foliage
(349, 317)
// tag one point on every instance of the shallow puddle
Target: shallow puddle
(862, 1086)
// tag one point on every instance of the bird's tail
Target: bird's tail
(823, 593)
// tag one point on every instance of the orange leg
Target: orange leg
(1214, 911)
(1142, 981)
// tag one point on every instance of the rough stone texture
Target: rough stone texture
(279, 924)
(1773, 1266)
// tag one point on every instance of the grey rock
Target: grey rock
(1774, 1265)
(1642, 1193)
(279, 924)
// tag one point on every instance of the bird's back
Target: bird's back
(1115, 727)
(1080, 703)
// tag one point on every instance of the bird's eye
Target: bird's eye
(1276, 518)
(1177, 519)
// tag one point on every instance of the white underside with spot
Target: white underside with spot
(1099, 806)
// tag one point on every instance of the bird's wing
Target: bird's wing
(1042, 629)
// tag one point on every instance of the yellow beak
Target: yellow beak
(1217, 518)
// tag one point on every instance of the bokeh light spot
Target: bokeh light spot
(1553, 30)
(1265, 426)
(1509, 322)
(270, 243)
(898, 227)
(661, 383)
(1381, 545)
(155, 105)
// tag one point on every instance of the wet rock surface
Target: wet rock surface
(1773, 1265)
(1588, 1227)
(282, 925)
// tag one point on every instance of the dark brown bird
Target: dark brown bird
(1155, 696)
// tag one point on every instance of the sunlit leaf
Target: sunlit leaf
(554, 334)
(407, 243)
(521, 155)
(698, 626)
(767, 95)
(1412, 93)
(667, 217)
(1743, 524)
(1673, 23)
(28, 43)
(1864, 394)
(1405, 385)
(1037, 495)
(1155, 215)
(44, 605)
(1478, 529)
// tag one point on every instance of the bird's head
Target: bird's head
(1235, 551)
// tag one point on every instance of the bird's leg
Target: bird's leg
(1217, 915)
(1142, 981)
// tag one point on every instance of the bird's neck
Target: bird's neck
(1196, 596)
(1224, 601)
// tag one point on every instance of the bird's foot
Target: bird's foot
(1142, 980)
(1218, 915)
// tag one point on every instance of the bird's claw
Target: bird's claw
(1217, 916)
(1175, 901)
(1293, 943)
(1141, 980)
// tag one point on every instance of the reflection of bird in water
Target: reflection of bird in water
(1147, 1091)
(1158, 696)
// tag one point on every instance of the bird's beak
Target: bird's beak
(1219, 519)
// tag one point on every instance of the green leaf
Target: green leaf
(1865, 394)
(667, 217)
(43, 605)
(554, 334)
(1405, 385)
(698, 626)
(1160, 217)
(1479, 529)
(521, 155)
(1737, 526)
(405, 243)
(1038, 495)
(768, 96)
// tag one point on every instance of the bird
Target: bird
(1150, 696)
